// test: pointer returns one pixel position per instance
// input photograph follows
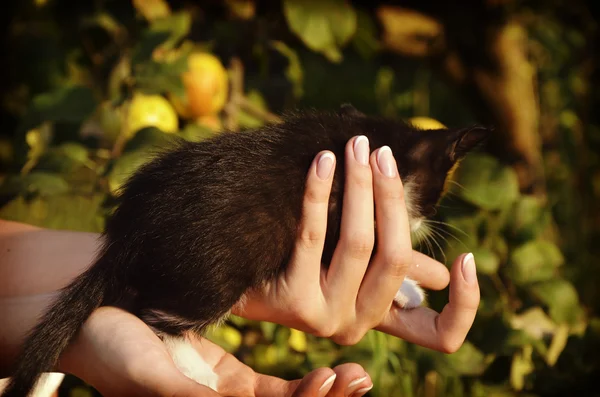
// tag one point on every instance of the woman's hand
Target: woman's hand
(353, 296)
(120, 356)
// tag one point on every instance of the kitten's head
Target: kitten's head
(426, 161)
(426, 166)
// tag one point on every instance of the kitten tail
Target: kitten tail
(56, 330)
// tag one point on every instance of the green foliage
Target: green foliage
(70, 153)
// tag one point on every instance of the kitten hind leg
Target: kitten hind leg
(410, 294)
(189, 362)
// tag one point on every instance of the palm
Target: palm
(119, 355)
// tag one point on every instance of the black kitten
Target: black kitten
(203, 223)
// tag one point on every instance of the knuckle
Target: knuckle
(397, 265)
(360, 245)
(315, 196)
(310, 239)
(393, 194)
(361, 180)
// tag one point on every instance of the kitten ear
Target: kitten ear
(467, 139)
(349, 110)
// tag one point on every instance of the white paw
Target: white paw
(190, 363)
(410, 295)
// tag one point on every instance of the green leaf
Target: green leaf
(159, 77)
(487, 261)
(527, 218)
(486, 183)
(294, 70)
(70, 104)
(468, 360)
(522, 365)
(366, 39)
(248, 121)
(149, 41)
(41, 183)
(149, 138)
(125, 166)
(534, 322)
(64, 211)
(194, 132)
(323, 25)
(561, 298)
(177, 26)
(152, 9)
(535, 261)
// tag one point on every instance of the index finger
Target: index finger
(447, 330)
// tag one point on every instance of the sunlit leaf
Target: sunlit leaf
(468, 360)
(61, 211)
(486, 183)
(41, 183)
(561, 298)
(522, 365)
(125, 166)
(323, 25)
(72, 104)
(487, 261)
(294, 70)
(152, 9)
(535, 261)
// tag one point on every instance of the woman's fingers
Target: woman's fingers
(305, 266)
(447, 330)
(343, 380)
(394, 254)
(354, 248)
(430, 273)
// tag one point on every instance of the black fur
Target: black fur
(204, 222)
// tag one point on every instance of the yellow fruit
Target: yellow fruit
(206, 87)
(426, 123)
(297, 340)
(151, 111)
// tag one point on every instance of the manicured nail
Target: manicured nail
(385, 161)
(361, 150)
(355, 384)
(362, 392)
(325, 165)
(468, 268)
(327, 385)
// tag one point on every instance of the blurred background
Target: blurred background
(90, 87)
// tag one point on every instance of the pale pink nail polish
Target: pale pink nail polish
(361, 150)
(325, 165)
(468, 268)
(327, 385)
(385, 161)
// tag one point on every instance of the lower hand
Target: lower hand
(120, 356)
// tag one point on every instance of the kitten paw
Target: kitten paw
(410, 295)
(190, 363)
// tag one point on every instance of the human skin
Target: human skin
(353, 296)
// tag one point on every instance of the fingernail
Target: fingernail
(325, 165)
(327, 386)
(385, 161)
(362, 392)
(355, 384)
(468, 268)
(361, 150)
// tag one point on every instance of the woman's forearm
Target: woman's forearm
(34, 264)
